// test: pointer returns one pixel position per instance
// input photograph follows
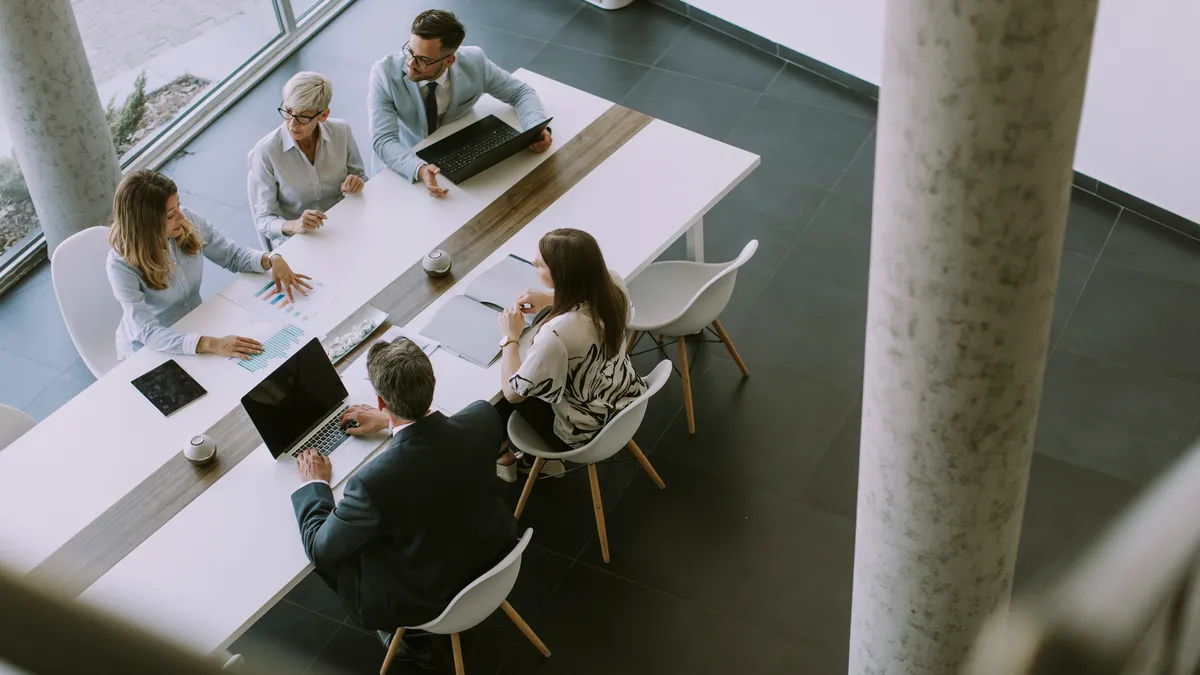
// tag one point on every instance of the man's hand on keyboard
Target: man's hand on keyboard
(428, 174)
(544, 144)
(369, 420)
(312, 465)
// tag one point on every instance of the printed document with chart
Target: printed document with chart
(267, 304)
(279, 323)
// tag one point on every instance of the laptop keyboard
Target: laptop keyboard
(465, 156)
(329, 436)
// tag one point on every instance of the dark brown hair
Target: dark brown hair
(580, 276)
(138, 233)
(402, 376)
(438, 24)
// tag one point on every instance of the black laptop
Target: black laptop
(478, 147)
(300, 404)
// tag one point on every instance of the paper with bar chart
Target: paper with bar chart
(276, 346)
(267, 304)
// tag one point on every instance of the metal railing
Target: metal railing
(1129, 606)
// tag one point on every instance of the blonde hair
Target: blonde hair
(138, 233)
(307, 91)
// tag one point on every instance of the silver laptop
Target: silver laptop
(300, 406)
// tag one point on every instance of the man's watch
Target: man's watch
(506, 341)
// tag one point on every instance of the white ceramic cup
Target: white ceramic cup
(200, 449)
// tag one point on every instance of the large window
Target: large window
(151, 65)
(155, 63)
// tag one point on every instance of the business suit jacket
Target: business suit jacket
(416, 524)
(397, 110)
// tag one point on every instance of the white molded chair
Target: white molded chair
(13, 425)
(85, 297)
(263, 241)
(615, 436)
(676, 299)
(475, 603)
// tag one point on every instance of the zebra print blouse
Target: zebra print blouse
(566, 368)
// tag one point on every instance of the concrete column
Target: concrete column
(55, 117)
(980, 108)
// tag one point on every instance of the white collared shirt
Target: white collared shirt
(282, 183)
(442, 94)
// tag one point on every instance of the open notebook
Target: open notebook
(466, 324)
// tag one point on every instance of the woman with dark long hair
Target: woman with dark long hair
(576, 376)
(155, 268)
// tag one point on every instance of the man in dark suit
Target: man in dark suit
(420, 521)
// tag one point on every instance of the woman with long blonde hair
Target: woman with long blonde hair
(155, 269)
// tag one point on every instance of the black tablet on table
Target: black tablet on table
(169, 387)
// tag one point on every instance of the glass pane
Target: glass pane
(18, 222)
(300, 8)
(151, 65)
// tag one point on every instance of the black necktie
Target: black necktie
(431, 106)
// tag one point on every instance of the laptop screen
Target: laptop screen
(295, 398)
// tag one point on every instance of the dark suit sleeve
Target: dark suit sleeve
(331, 534)
(484, 417)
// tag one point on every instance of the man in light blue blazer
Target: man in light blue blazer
(432, 82)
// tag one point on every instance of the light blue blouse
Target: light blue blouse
(147, 314)
(282, 183)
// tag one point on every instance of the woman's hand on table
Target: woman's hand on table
(287, 281)
(352, 184)
(230, 345)
(309, 221)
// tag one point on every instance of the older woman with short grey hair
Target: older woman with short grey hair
(304, 166)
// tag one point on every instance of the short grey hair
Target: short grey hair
(307, 91)
(402, 376)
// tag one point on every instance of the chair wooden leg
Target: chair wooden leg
(633, 337)
(533, 475)
(525, 629)
(729, 345)
(391, 652)
(599, 511)
(641, 458)
(687, 387)
(456, 643)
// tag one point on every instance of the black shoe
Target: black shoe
(427, 656)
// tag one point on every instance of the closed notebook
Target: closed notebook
(466, 324)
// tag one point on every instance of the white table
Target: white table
(227, 557)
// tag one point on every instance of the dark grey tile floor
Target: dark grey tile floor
(746, 557)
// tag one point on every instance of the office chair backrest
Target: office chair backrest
(13, 425)
(85, 297)
(708, 303)
(483, 596)
(264, 242)
(620, 429)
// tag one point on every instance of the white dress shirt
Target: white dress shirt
(442, 94)
(394, 431)
(282, 183)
